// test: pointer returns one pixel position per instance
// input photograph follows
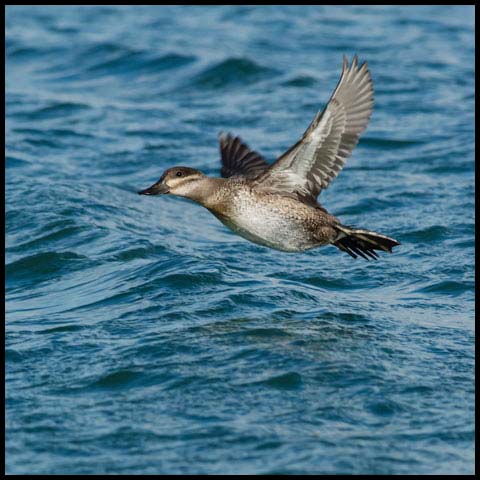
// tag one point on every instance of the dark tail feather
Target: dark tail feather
(356, 241)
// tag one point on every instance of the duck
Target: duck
(276, 205)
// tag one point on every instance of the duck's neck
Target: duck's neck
(205, 191)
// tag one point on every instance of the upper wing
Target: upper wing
(238, 159)
(308, 167)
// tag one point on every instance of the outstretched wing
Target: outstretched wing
(317, 158)
(238, 159)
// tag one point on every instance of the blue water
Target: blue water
(143, 337)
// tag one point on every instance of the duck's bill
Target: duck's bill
(155, 189)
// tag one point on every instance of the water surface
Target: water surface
(143, 337)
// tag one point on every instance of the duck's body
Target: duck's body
(276, 205)
(269, 219)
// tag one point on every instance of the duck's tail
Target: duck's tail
(356, 241)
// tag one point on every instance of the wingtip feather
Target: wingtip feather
(355, 61)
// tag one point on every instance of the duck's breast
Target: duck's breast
(280, 223)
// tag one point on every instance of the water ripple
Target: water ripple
(142, 337)
(232, 72)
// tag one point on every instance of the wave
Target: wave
(284, 381)
(232, 72)
(43, 266)
(429, 234)
(448, 287)
(119, 379)
(389, 143)
(54, 110)
(140, 63)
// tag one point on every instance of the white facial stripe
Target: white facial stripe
(180, 181)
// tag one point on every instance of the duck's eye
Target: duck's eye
(179, 174)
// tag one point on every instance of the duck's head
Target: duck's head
(181, 181)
